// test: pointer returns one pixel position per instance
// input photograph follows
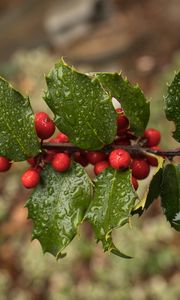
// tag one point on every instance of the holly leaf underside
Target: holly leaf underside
(57, 207)
(170, 194)
(113, 200)
(18, 139)
(172, 105)
(131, 98)
(82, 109)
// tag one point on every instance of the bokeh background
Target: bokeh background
(142, 39)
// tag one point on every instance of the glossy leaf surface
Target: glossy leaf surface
(82, 108)
(111, 206)
(170, 194)
(172, 105)
(57, 207)
(18, 139)
(131, 98)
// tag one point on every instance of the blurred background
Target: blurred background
(142, 39)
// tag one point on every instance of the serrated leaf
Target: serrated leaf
(113, 200)
(131, 98)
(18, 139)
(170, 194)
(153, 189)
(83, 110)
(57, 207)
(172, 105)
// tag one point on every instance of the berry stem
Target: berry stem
(132, 149)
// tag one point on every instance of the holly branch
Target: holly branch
(132, 149)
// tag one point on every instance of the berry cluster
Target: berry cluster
(45, 128)
(118, 158)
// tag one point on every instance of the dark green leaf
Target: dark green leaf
(170, 194)
(131, 98)
(154, 189)
(18, 139)
(57, 207)
(172, 105)
(153, 192)
(83, 110)
(114, 198)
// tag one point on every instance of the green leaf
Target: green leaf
(83, 110)
(131, 98)
(113, 200)
(18, 139)
(57, 207)
(154, 188)
(172, 105)
(170, 194)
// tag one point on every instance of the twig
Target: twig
(132, 149)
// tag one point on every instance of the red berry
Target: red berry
(80, 158)
(140, 168)
(152, 161)
(134, 182)
(123, 124)
(30, 178)
(44, 125)
(62, 138)
(119, 111)
(61, 162)
(153, 137)
(32, 161)
(5, 164)
(94, 157)
(101, 166)
(119, 158)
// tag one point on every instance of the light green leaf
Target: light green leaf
(57, 207)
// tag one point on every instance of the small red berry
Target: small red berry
(119, 158)
(62, 138)
(140, 168)
(119, 110)
(32, 161)
(152, 160)
(80, 158)
(61, 162)
(30, 178)
(44, 125)
(94, 157)
(5, 164)
(122, 123)
(134, 182)
(101, 166)
(153, 137)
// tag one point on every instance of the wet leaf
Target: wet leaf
(170, 194)
(18, 139)
(131, 98)
(172, 105)
(113, 200)
(83, 110)
(57, 207)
